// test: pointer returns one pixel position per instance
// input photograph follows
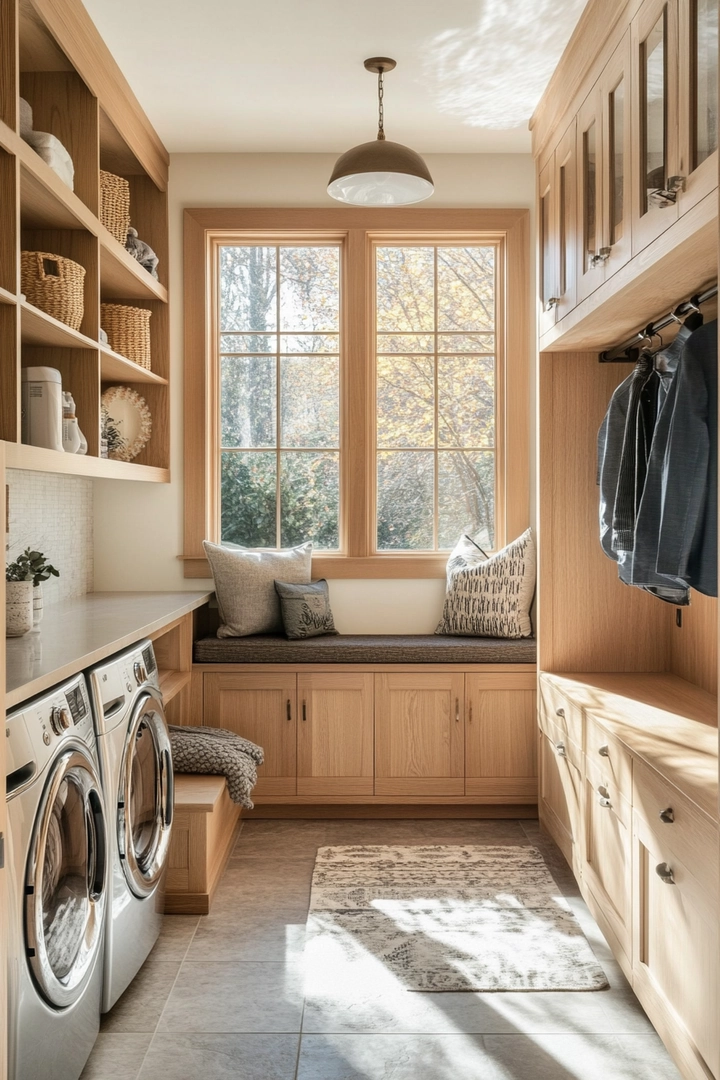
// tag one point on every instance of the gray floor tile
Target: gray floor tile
(221, 1057)
(235, 998)
(116, 1057)
(258, 934)
(140, 1006)
(280, 839)
(175, 936)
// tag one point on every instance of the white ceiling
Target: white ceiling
(288, 75)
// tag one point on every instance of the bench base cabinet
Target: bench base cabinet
(560, 798)
(356, 734)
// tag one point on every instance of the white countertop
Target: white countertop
(74, 634)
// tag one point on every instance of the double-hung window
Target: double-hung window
(357, 383)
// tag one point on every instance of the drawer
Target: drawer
(609, 757)
(607, 793)
(559, 708)
(563, 745)
(679, 825)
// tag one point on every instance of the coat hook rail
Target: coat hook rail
(629, 351)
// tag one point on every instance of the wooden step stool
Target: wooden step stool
(203, 832)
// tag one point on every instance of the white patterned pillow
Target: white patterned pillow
(490, 596)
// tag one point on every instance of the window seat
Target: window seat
(364, 649)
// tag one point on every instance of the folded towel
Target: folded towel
(216, 751)
(54, 154)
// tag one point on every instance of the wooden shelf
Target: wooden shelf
(37, 328)
(39, 459)
(123, 277)
(117, 368)
(7, 297)
(172, 682)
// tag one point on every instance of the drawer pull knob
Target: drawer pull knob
(667, 816)
(604, 798)
(560, 749)
(664, 872)
(604, 751)
(559, 712)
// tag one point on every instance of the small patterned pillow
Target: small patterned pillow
(305, 609)
(490, 596)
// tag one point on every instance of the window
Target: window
(354, 380)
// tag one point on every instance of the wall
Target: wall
(53, 514)
(138, 527)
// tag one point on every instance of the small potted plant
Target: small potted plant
(35, 567)
(18, 599)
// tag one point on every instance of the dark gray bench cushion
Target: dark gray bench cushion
(365, 649)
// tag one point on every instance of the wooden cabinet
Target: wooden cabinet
(335, 733)
(676, 966)
(263, 708)
(617, 158)
(591, 252)
(547, 268)
(557, 201)
(698, 101)
(419, 734)
(560, 795)
(607, 857)
(500, 744)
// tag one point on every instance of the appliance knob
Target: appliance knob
(60, 720)
(140, 672)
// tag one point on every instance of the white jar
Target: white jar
(70, 431)
(42, 407)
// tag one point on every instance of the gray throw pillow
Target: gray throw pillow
(245, 585)
(306, 609)
(490, 596)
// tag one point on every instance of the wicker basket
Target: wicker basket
(115, 205)
(54, 284)
(128, 331)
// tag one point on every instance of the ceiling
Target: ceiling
(288, 75)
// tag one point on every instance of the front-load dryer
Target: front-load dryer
(136, 769)
(57, 876)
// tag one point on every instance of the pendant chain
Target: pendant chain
(381, 108)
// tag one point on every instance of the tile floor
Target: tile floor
(221, 997)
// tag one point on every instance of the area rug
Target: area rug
(443, 918)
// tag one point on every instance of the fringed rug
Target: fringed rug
(443, 918)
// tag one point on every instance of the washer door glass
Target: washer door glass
(65, 888)
(147, 797)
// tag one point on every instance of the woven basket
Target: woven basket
(128, 331)
(54, 284)
(115, 205)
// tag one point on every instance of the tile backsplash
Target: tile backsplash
(53, 514)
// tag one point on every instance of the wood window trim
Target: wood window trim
(510, 228)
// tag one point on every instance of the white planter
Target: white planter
(37, 596)
(18, 608)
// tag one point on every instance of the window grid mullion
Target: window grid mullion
(278, 425)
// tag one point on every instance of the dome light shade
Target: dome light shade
(380, 173)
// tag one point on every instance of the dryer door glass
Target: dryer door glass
(65, 890)
(146, 800)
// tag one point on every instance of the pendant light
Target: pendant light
(380, 173)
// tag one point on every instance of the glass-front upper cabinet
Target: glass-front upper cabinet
(617, 158)
(655, 159)
(698, 113)
(591, 247)
(566, 216)
(547, 247)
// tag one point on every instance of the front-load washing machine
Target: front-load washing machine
(57, 875)
(136, 770)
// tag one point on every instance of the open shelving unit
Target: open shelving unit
(53, 56)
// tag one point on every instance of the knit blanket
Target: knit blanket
(218, 752)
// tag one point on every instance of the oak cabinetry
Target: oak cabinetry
(335, 733)
(560, 792)
(263, 708)
(606, 855)
(548, 246)
(419, 734)
(591, 195)
(500, 745)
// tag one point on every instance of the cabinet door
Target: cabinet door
(606, 857)
(677, 961)
(335, 733)
(260, 707)
(547, 247)
(419, 734)
(560, 797)
(655, 119)
(500, 736)
(616, 93)
(567, 221)
(698, 123)
(591, 250)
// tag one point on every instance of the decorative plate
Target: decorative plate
(129, 414)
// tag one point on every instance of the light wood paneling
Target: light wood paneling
(10, 223)
(8, 62)
(500, 732)
(419, 734)
(203, 834)
(591, 621)
(693, 645)
(262, 708)
(335, 734)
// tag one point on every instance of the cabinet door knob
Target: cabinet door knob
(457, 710)
(604, 751)
(602, 256)
(552, 303)
(559, 712)
(304, 711)
(604, 798)
(667, 196)
(470, 713)
(289, 710)
(560, 749)
(667, 816)
(664, 872)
